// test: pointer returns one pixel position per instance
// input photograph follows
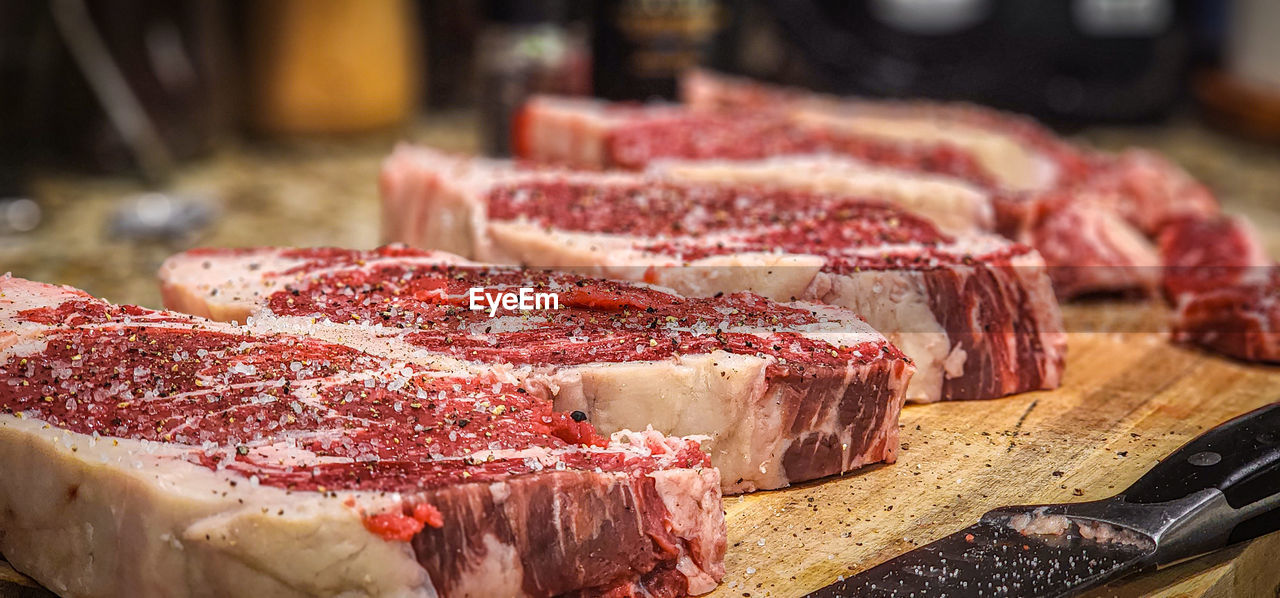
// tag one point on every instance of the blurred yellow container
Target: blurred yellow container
(331, 66)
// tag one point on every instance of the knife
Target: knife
(1217, 490)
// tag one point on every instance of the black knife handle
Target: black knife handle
(1241, 458)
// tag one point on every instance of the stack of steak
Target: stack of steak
(1103, 223)
(169, 455)
(367, 432)
(738, 294)
(1089, 214)
(785, 392)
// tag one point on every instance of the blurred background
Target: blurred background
(130, 129)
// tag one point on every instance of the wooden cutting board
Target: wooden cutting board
(1129, 398)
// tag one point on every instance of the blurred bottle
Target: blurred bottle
(641, 46)
(524, 49)
(331, 66)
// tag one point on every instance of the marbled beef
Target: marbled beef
(974, 312)
(1040, 186)
(785, 393)
(150, 454)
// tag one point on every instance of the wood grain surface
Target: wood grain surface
(1129, 398)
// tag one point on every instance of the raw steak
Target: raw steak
(975, 313)
(588, 133)
(1012, 152)
(148, 453)
(1038, 183)
(953, 204)
(1003, 149)
(1044, 186)
(1091, 249)
(1224, 287)
(1105, 252)
(1202, 255)
(786, 393)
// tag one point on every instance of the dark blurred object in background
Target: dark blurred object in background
(526, 47)
(136, 85)
(1061, 60)
(450, 28)
(640, 47)
(119, 85)
(18, 134)
(331, 66)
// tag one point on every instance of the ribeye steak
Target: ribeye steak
(149, 453)
(1224, 287)
(953, 204)
(1012, 153)
(785, 393)
(975, 312)
(1030, 174)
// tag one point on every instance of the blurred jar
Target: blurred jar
(526, 49)
(331, 66)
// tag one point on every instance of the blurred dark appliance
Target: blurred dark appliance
(1061, 60)
(111, 85)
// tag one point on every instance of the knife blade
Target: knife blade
(1221, 488)
(994, 559)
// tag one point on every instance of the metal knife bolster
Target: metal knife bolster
(1181, 529)
(1219, 489)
